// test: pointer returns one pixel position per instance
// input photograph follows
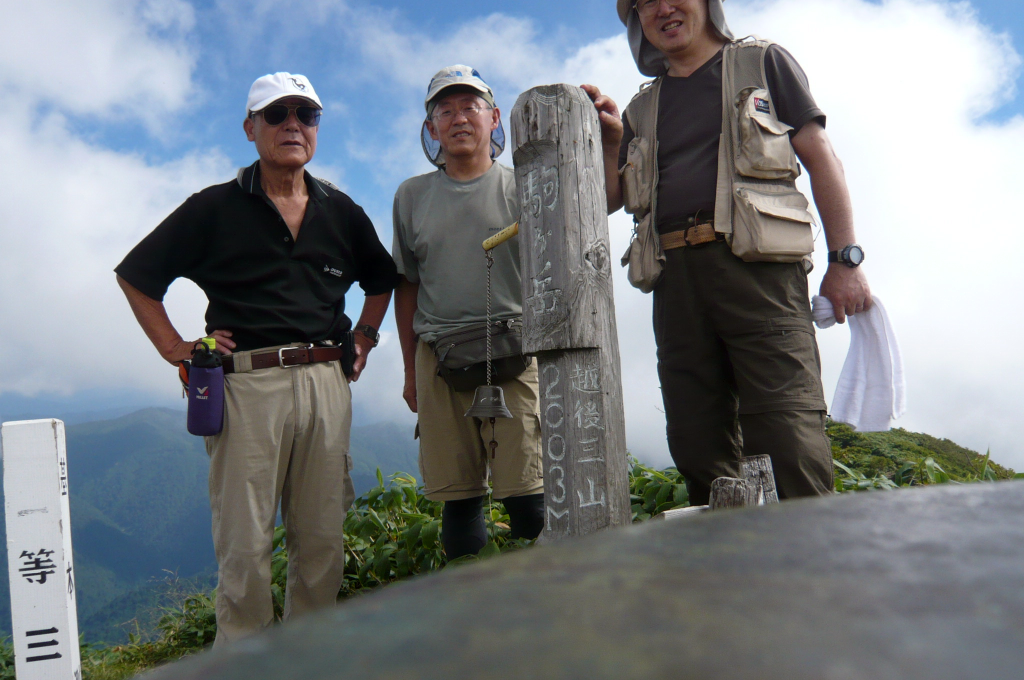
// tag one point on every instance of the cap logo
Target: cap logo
(298, 84)
(762, 105)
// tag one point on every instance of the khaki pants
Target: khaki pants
(285, 439)
(454, 458)
(740, 372)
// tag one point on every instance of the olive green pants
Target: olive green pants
(285, 441)
(740, 372)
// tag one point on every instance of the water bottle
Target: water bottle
(206, 390)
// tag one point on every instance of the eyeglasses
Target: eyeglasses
(446, 115)
(648, 7)
(275, 114)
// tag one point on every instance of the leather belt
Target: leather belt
(287, 357)
(694, 236)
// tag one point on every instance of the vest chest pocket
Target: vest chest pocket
(764, 150)
(638, 177)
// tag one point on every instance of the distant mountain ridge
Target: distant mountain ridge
(140, 509)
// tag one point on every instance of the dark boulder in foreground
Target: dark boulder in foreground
(916, 583)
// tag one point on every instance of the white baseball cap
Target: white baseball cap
(269, 88)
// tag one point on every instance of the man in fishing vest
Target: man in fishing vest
(275, 251)
(705, 160)
(441, 219)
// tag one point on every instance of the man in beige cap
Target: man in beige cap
(441, 219)
(705, 160)
(275, 251)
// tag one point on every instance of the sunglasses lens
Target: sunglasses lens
(275, 115)
(278, 113)
(308, 116)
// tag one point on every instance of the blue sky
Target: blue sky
(1006, 16)
(118, 109)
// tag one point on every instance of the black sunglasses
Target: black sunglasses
(275, 114)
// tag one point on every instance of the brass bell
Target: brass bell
(488, 402)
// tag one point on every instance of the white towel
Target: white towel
(872, 390)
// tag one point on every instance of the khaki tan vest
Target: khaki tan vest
(757, 205)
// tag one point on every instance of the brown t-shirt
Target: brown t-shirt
(690, 124)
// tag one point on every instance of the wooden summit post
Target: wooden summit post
(569, 309)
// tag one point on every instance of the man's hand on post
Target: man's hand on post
(608, 114)
(611, 139)
(847, 289)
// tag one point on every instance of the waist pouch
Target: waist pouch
(462, 354)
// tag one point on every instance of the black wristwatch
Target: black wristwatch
(852, 255)
(369, 331)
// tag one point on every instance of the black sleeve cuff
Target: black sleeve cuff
(139, 282)
(809, 115)
(380, 286)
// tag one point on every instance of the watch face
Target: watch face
(854, 255)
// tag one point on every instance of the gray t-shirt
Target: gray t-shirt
(440, 224)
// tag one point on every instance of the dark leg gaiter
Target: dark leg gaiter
(526, 515)
(463, 531)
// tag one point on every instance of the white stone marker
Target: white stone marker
(44, 616)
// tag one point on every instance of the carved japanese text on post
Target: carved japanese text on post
(544, 305)
(568, 309)
(574, 434)
(552, 410)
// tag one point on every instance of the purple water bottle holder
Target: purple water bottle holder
(206, 390)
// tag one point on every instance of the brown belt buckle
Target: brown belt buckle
(280, 355)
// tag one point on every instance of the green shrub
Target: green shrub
(652, 491)
(6, 658)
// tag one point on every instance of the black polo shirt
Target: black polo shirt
(264, 286)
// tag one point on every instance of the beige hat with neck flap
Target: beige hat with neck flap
(649, 60)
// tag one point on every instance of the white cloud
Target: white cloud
(71, 208)
(67, 222)
(904, 83)
(935, 195)
(934, 189)
(97, 57)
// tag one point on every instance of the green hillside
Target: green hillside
(385, 446)
(141, 516)
(901, 456)
(138, 507)
(140, 511)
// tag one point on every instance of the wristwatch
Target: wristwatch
(852, 255)
(369, 331)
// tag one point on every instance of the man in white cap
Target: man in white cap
(441, 219)
(706, 162)
(275, 251)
